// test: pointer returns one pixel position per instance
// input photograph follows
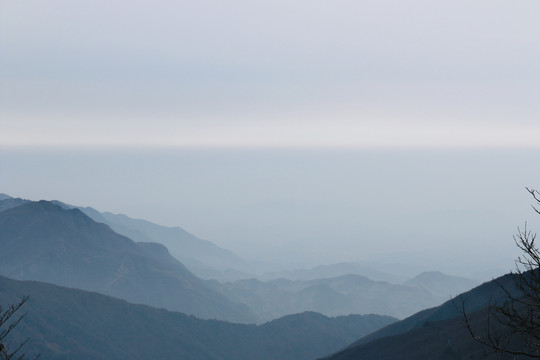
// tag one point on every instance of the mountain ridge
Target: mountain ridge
(341, 295)
(402, 337)
(206, 259)
(43, 241)
(61, 327)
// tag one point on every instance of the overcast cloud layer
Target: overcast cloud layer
(270, 73)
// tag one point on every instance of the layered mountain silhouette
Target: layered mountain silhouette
(442, 285)
(333, 270)
(43, 241)
(342, 295)
(435, 333)
(66, 323)
(204, 258)
(56, 243)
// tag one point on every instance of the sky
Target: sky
(303, 131)
(270, 73)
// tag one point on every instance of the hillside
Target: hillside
(61, 326)
(333, 270)
(342, 295)
(442, 285)
(42, 241)
(201, 256)
(8, 202)
(436, 333)
(441, 340)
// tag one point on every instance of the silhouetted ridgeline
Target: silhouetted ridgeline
(66, 324)
(432, 334)
(346, 294)
(199, 255)
(43, 241)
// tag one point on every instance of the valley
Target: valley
(51, 250)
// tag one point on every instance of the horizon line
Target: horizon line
(268, 147)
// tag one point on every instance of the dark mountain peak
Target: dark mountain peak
(62, 205)
(51, 225)
(8, 202)
(303, 316)
(45, 241)
(4, 197)
(40, 205)
(54, 207)
(299, 320)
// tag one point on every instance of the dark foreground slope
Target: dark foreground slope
(442, 340)
(437, 333)
(66, 323)
(42, 241)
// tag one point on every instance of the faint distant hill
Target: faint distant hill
(65, 323)
(196, 253)
(347, 294)
(436, 333)
(442, 285)
(43, 241)
(334, 270)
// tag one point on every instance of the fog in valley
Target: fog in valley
(400, 211)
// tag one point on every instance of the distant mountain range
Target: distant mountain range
(202, 257)
(441, 285)
(43, 241)
(65, 323)
(435, 333)
(347, 294)
(334, 270)
(57, 243)
(58, 258)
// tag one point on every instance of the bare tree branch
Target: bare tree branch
(8, 322)
(513, 326)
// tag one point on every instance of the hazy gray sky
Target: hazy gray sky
(270, 73)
